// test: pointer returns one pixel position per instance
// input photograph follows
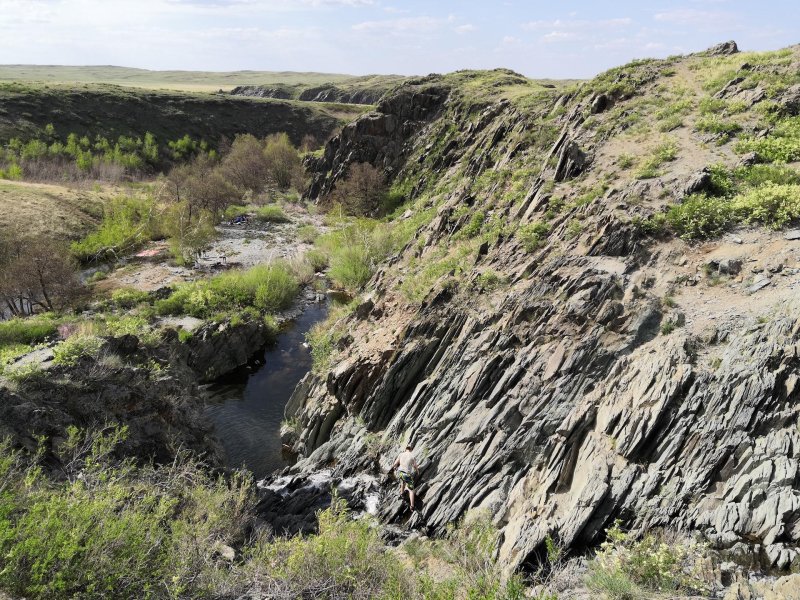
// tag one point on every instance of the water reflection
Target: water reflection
(247, 409)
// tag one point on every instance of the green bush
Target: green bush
(771, 204)
(532, 235)
(126, 298)
(31, 330)
(756, 175)
(307, 234)
(700, 217)
(264, 287)
(355, 250)
(781, 145)
(665, 152)
(627, 569)
(112, 530)
(317, 259)
(717, 125)
(234, 210)
(71, 350)
(272, 214)
(127, 223)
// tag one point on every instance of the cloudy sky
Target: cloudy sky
(538, 38)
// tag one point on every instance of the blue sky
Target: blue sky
(559, 39)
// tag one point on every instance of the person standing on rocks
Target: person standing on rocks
(407, 468)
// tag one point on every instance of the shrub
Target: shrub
(624, 567)
(109, 529)
(474, 224)
(717, 126)
(127, 223)
(363, 192)
(233, 211)
(355, 250)
(781, 145)
(532, 235)
(772, 204)
(31, 330)
(126, 298)
(272, 214)
(264, 287)
(664, 152)
(317, 259)
(307, 234)
(71, 350)
(700, 217)
(757, 175)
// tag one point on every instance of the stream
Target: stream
(247, 407)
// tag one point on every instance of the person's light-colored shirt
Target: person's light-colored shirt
(407, 461)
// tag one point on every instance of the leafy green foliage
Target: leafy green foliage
(700, 216)
(127, 298)
(665, 152)
(127, 223)
(31, 330)
(71, 350)
(771, 204)
(272, 213)
(110, 529)
(355, 250)
(532, 235)
(627, 569)
(781, 145)
(264, 287)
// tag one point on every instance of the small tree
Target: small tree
(36, 273)
(285, 166)
(246, 165)
(363, 191)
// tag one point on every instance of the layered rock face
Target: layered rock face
(574, 392)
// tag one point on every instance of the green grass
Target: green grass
(111, 528)
(71, 350)
(665, 152)
(127, 223)
(70, 108)
(356, 249)
(533, 235)
(782, 145)
(272, 214)
(265, 288)
(27, 331)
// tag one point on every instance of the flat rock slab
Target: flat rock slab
(793, 234)
(759, 284)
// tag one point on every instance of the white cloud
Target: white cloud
(400, 26)
(467, 28)
(577, 24)
(691, 16)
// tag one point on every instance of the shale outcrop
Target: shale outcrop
(573, 368)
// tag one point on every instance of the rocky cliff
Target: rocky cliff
(554, 351)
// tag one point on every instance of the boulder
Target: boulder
(723, 49)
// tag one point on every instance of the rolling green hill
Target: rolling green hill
(108, 110)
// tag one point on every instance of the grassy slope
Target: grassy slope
(172, 80)
(113, 110)
(52, 210)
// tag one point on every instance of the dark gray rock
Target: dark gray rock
(723, 49)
